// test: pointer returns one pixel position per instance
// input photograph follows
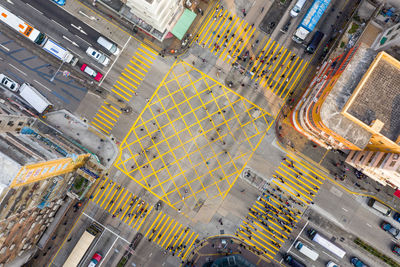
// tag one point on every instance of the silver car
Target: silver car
(8, 83)
(96, 55)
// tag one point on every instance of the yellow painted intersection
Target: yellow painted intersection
(178, 151)
(124, 89)
(274, 214)
(233, 40)
(157, 226)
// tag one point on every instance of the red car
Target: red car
(95, 74)
(95, 260)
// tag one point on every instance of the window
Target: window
(394, 36)
(371, 158)
(389, 32)
(10, 123)
(392, 163)
(20, 123)
(398, 27)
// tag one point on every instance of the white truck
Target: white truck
(59, 52)
(34, 98)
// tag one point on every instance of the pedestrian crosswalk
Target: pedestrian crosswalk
(124, 89)
(157, 226)
(276, 211)
(236, 42)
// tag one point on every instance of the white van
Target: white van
(297, 8)
(306, 251)
(385, 210)
(331, 264)
(110, 46)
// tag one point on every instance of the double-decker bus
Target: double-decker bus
(22, 27)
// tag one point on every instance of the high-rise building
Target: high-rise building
(39, 166)
(352, 104)
(157, 17)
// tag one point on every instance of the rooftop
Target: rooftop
(377, 97)
(331, 109)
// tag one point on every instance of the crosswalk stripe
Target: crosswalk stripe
(148, 49)
(187, 243)
(99, 121)
(165, 231)
(144, 52)
(104, 119)
(151, 227)
(133, 74)
(99, 189)
(146, 59)
(208, 28)
(105, 114)
(245, 42)
(187, 250)
(145, 217)
(103, 191)
(177, 237)
(119, 203)
(223, 32)
(108, 203)
(126, 87)
(137, 65)
(214, 33)
(99, 127)
(231, 39)
(138, 60)
(133, 86)
(114, 91)
(121, 215)
(170, 232)
(297, 180)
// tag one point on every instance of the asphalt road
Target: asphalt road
(59, 25)
(21, 65)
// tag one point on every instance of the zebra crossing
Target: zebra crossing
(276, 211)
(157, 226)
(236, 42)
(124, 89)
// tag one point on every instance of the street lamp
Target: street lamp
(52, 78)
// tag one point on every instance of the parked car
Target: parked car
(95, 260)
(389, 228)
(357, 262)
(95, 74)
(8, 83)
(396, 216)
(396, 249)
(59, 2)
(96, 55)
(331, 264)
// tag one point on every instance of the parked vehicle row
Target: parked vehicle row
(54, 48)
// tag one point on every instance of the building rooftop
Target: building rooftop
(331, 109)
(376, 99)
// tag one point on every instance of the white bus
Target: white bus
(21, 26)
(58, 51)
(80, 249)
(326, 243)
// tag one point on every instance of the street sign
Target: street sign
(66, 73)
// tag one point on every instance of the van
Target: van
(306, 251)
(316, 39)
(110, 46)
(385, 210)
(96, 55)
(297, 8)
(289, 259)
(331, 264)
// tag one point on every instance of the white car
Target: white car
(99, 57)
(8, 83)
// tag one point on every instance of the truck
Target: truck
(310, 20)
(35, 99)
(59, 52)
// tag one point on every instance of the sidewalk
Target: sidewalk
(77, 130)
(332, 162)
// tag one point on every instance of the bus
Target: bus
(22, 27)
(82, 246)
(317, 238)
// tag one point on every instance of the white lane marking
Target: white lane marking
(6, 48)
(42, 85)
(101, 262)
(104, 77)
(72, 42)
(79, 28)
(59, 25)
(325, 253)
(34, 8)
(82, 39)
(18, 69)
(297, 236)
(369, 225)
(86, 15)
(150, 254)
(344, 209)
(9, 1)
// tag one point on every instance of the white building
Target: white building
(161, 15)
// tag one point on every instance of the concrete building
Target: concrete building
(40, 168)
(353, 104)
(157, 17)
